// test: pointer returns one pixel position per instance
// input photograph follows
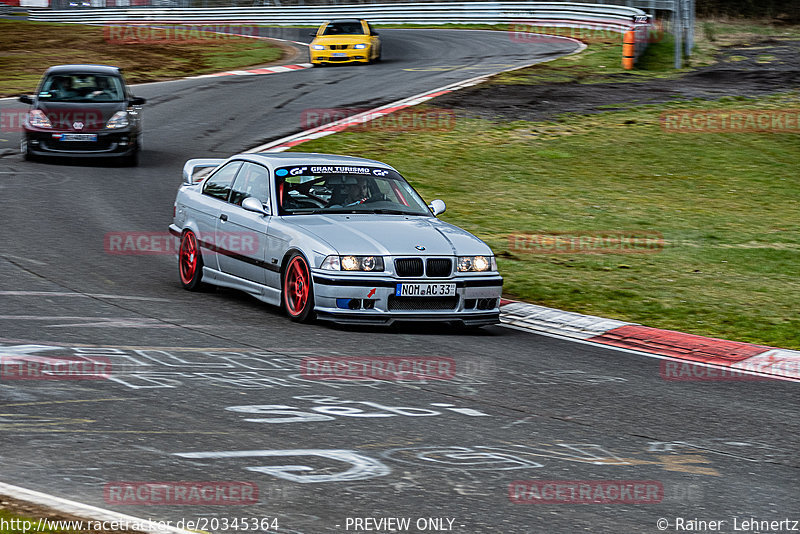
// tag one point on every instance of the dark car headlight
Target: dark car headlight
(118, 120)
(353, 263)
(38, 119)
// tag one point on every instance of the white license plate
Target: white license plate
(78, 137)
(339, 54)
(425, 290)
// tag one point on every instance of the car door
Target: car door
(240, 234)
(208, 208)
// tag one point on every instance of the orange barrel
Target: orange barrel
(628, 49)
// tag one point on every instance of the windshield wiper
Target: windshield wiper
(387, 211)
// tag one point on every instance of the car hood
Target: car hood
(93, 115)
(341, 39)
(385, 235)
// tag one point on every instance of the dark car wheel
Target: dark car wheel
(132, 159)
(298, 290)
(190, 262)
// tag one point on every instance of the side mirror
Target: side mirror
(255, 205)
(137, 101)
(437, 206)
(25, 99)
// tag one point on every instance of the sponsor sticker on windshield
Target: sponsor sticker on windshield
(315, 170)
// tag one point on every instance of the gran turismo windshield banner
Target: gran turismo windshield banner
(318, 170)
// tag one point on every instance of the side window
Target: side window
(252, 181)
(219, 185)
(371, 29)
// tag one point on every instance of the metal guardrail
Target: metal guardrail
(611, 17)
(538, 16)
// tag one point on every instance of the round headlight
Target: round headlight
(481, 263)
(368, 263)
(349, 263)
(464, 264)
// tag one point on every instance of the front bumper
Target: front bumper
(372, 300)
(116, 143)
(348, 56)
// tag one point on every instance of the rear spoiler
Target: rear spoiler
(193, 165)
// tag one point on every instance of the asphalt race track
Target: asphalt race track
(208, 387)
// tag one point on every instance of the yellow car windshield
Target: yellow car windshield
(344, 28)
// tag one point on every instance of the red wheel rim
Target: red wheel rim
(188, 257)
(297, 286)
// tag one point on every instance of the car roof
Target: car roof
(288, 159)
(344, 20)
(83, 69)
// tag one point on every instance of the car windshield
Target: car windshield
(82, 88)
(344, 28)
(345, 189)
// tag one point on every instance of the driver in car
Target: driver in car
(357, 193)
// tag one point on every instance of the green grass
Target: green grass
(726, 205)
(28, 48)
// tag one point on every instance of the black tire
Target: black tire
(131, 160)
(297, 295)
(190, 262)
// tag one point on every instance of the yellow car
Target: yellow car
(345, 41)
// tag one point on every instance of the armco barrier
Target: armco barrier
(614, 18)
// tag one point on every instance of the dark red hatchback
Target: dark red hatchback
(84, 111)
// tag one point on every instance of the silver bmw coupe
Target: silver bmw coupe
(330, 237)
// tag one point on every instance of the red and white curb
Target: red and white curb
(87, 512)
(327, 129)
(758, 359)
(290, 141)
(243, 72)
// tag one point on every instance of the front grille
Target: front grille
(422, 303)
(340, 47)
(408, 267)
(74, 146)
(438, 267)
